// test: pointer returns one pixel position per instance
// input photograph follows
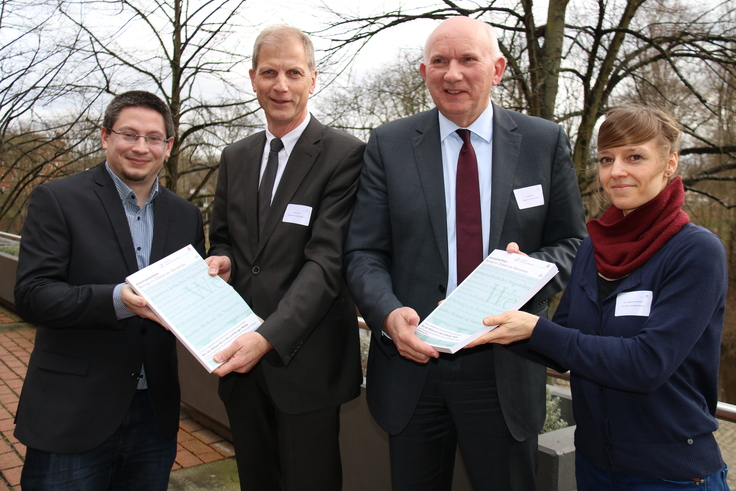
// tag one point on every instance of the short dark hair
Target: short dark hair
(138, 98)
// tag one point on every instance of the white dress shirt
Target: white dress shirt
(481, 137)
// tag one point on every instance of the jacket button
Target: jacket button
(134, 376)
(442, 288)
(689, 441)
(256, 270)
(143, 330)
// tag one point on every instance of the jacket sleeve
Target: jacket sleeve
(688, 305)
(43, 292)
(368, 246)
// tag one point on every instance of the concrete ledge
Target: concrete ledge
(8, 265)
(556, 453)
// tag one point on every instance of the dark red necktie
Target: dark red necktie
(468, 229)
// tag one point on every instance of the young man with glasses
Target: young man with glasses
(100, 403)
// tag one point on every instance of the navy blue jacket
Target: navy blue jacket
(645, 388)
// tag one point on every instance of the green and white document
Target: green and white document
(204, 312)
(502, 282)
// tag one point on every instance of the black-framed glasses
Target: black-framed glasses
(151, 141)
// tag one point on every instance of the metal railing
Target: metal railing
(724, 410)
(6, 238)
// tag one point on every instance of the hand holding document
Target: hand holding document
(503, 281)
(204, 312)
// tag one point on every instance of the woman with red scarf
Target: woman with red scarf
(639, 325)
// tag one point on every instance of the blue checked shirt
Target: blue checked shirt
(140, 221)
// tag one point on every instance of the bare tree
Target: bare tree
(585, 57)
(36, 72)
(185, 51)
(364, 101)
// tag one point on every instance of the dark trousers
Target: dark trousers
(591, 478)
(459, 406)
(136, 456)
(277, 451)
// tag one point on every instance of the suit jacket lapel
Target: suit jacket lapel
(301, 159)
(252, 159)
(506, 147)
(108, 195)
(428, 159)
(161, 208)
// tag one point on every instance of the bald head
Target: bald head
(461, 64)
(480, 30)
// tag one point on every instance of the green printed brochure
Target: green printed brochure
(204, 312)
(502, 282)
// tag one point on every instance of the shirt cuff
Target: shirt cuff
(121, 311)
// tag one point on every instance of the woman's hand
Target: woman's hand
(513, 326)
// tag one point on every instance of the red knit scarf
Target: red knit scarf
(623, 243)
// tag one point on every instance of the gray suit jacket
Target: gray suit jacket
(396, 251)
(292, 274)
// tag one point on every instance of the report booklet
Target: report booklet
(204, 312)
(502, 282)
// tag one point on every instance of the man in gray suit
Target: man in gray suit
(419, 226)
(277, 234)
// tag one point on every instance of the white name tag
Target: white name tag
(298, 214)
(634, 303)
(529, 197)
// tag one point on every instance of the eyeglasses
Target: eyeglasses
(151, 141)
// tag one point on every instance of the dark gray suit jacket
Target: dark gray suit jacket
(396, 251)
(292, 275)
(83, 372)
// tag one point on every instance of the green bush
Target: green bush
(554, 419)
(11, 249)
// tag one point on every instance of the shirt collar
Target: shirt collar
(482, 127)
(289, 140)
(124, 190)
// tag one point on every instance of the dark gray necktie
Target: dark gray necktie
(265, 190)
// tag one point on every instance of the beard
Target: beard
(133, 177)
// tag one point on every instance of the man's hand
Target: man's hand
(219, 265)
(401, 324)
(137, 304)
(513, 326)
(242, 355)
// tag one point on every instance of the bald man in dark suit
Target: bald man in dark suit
(404, 255)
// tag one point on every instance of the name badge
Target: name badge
(634, 303)
(299, 214)
(529, 197)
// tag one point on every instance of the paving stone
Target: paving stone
(10, 460)
(225, 448)
(185, 458)
(189, 425)
(12, 476)
(207, 436)
(210, 456)
(196, 447)
(183, 436)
